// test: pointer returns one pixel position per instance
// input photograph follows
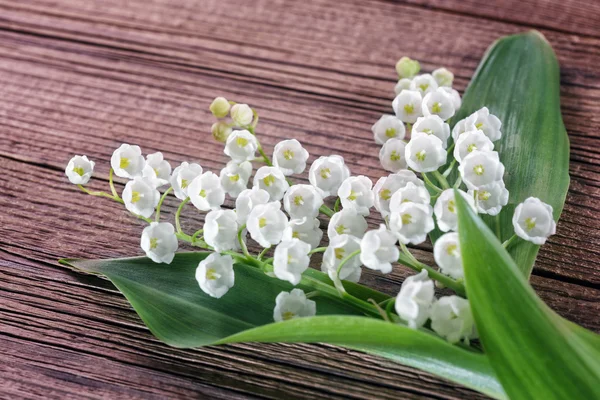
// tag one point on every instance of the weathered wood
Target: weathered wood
(82, 77)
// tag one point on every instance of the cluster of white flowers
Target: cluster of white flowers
(283, 218)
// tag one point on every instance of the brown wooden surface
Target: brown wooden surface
(81, 77)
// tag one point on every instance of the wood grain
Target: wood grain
(82, 77)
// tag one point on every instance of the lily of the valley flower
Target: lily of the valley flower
(439, 103)
(425, 153)
(182, 176)
(481, 170)
(291, 260)
(451, 318)
(327, 174)
(305, 229)
(290, 157)
(339, 248)
(407, 105)
(445, 209)
(206, 192)
(79, 170)
(302, 201)
(491, 200)
(127, 161)
(293, 305)
(355, 193)
(409, 193)
(411, 222)
(266, 223)
(403, 84)
(413, 303)
(488, 123)
(159, 242)
(533, 221)
(378, 250)
(424, 84)
(462, 126)
(272, 180)
(392, 155)
(407, 68)
(220, 107)
(247, 200)
(443, 77)
(241, 114)
(221, 131)
(446, 253)
(241, 146)
(234, 177)
(215, 275)
(454, 96)
(433, 125)
(157, 169)
(140, 197)
(471, 141)
(388, 127)
(347, 221)
(220, 230)
(388, 185)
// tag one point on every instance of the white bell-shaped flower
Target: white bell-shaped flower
(220, 230)
(533, 221)
(290, 157)
(206, 192)
(388, 185)
(247, 200)
(412, 222)
(327, 174)
(470, 141)
(439, 103)
(443, 77)
(451, 318)
(425, 153)
(488, 123)
(182, 176)
(305, 229)
(272, 180)
(446, 253)
(481, 170)
(339, 248)
(293, 305)
(445, 209)
(159, 242)
(241, 146)
(215, 274)
(433, 125)
(424, 84)
(234, 177)
(290, 260)
(127, 161)
(355, 193)
(491, 200)
(409, 193)
(413, 303)
(302, 201)
(462, 126)
(378, 249)
(157, 169)
(407, 105)
(392, 155)
(403, 84)
(266, 223)
(140, 197)
(347, 221)
(454, 95)
(79, 170)
(388, 127)
(241, 114)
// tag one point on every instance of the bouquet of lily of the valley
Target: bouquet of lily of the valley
(483, 177)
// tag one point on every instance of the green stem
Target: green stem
(497, 225)
(326, 210)
(431, 184)
(441, 179)
(406, 258)
(451, 148)
(449, 169)
(241, 240)
(336, 207)
(178, 214)
(510, 241)
(100, 194)
(112, 184)
(195, 235)
(160, 202)
(345, 260)
(317, 250)
(458, 182)
(262, 253)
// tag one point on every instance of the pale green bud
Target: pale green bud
(220, 107)
(443, 77)
(242, 114)
(220, 131)
(407, 68)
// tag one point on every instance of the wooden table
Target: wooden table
(81, 77)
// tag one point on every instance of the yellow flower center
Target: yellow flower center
(478, 169)
(353, 195)
(135, 197)
(287, 315)
(452, 206)
(79, 171)
(424, 86)
(124, 163)
(340, 229)
(421, 155)
(234, 178)
(295, 235)
(298, 200)
(451, 249)
(184, 183)
(406, 219)
(471, 147)
(409, 108)
(390, 132)
(385, 194)
(202, 193)
(394, 156)
(483, 195)
(436, 108)
(339, 253)
(269, 180)
(530, 223)
(479, 125)
(325, 173)
(427, 131)
(262, 222)
(242, 142)
(153, 243)
(288, 154)
(211, 274)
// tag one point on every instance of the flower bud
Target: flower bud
(407, 68)
(219, 107)
(241, 114)
(220, 131)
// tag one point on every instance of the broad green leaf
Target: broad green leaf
(169, 301)
(518, 80)
(535, 353)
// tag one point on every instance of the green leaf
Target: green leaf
(169, 301)
(535, 353)
(518, 80)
